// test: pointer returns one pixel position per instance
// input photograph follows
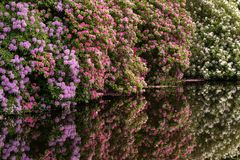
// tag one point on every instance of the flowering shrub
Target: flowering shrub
(20, 55)
(164, 38)
(98, 39)
(216, 42)
(57, 53)
(35, 64)
(90, 33)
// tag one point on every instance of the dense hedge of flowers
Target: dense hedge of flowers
(216, 42)
(55, 52)
(62, 51)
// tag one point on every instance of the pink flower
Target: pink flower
(80, 17)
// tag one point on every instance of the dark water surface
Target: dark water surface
(191, 122)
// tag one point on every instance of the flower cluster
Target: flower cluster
(216, 41)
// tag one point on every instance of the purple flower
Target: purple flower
(32, 19)
(60, 6)
(34, 40)
(7, 6)
(12, 47)
(25, 44)
(2, 36)
(1, 24)
(6, 29)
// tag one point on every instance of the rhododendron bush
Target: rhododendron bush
(130, 70)
(164, 38)
(216, 42)
(57, 52)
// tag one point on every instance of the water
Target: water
(196, 121)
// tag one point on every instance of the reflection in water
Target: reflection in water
(216, 115)
(111, 134)
(167, 133)
(194, 122)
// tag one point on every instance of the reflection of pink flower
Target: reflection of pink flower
(69, 36)
(29, 120)
(28, 105)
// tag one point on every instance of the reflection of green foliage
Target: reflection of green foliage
(167, 133)
(164, 125)
(114, 126)
(216, 120)
(106, 130)
(112, 129)
(28, 131)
